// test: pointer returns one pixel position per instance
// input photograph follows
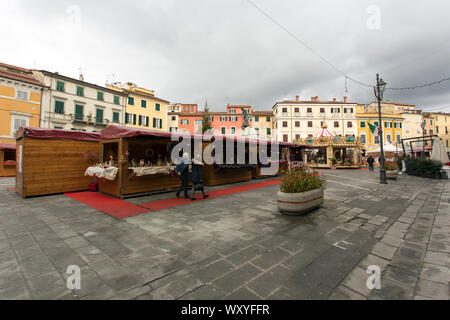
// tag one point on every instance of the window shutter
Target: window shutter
(160, 123)
(134, 119)
(146, 121)
(154, 123)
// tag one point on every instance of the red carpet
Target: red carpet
(115, 207)
(174, 202)
(11, 189)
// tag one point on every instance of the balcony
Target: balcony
(90, 120)
(309, 114)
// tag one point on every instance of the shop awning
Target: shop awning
(56, 134)
(6, 146)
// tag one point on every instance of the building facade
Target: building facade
(73, 104)
(299, 119)
(263, 123)
(142, 108)
(441, 127)
(20, 101)
(392, 126)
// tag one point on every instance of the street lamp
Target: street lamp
(379, 90)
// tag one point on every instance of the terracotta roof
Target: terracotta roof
(311, 102)
(18, 73)
(262, 113)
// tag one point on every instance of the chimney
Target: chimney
(345, 99)
(297, 98)
(313, 99)
(81, 77)
(334, 99)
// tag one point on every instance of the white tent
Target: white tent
(439, 152)
(387, 147)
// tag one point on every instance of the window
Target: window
(267, 119)
(285, 138)
(143, 103)
(233, 130)
(100, 96)
(78, 112)
(284, 110)
(184, 121)
(446, 143)
(363, 139)
(310, 124)
(297, 110)
(60, 86)
(309, 110)
(348, 110)
(336, 124)
(388, 124)
(297, 137)
(58, 127)
(335, 110)
(431, 131)
(116, 100)
(268, 131)
(134, 119)
(398, 138)
(99, 116)
(18, 122)
(431, 122)
(362, 124)
(256, 119)
(424, 131)
(157, 107)
(198, 122)
(222, 130)
(129, 118)
(388, 138)
(349, 124)
(223, 119)
(22, 95)
(59, 107)
(80, 91)
(115, 117)
(437, 129)
(131, 101)
(377, 139)
(285, 124)
(233, 119)
(232, 110)
(297, 124)
(322, 110)
(174, 118)
(157, 123)
(375, 123)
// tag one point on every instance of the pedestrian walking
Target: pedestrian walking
(182, 169)
(370, 161)
(197, 176)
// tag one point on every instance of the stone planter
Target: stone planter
(391, 174)
(299, 203)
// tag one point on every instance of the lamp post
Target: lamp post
(379, 90)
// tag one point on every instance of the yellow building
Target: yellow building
(20, 101)
(442, 127)
(262, 122)
(392, 124)
(142, 108)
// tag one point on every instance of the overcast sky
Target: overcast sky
(228, 52)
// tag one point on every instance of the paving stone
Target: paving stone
(401, 276)
(438, 258)
(432, 290)
(393, 291)
(214, 271)
(237, 277)
(246, 255)
(372, 260)
(435, 273)
(357, 281)
(384, 251)
(271, 258)
(344, 293)
(270, 281)
(77, 242)
(206, 292)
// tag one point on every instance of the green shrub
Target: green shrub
(300, 179)
(423, 167)
(399, 160)
(333, 161)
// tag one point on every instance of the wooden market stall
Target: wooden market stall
(7, 160)
(51, 161)
(328, 151)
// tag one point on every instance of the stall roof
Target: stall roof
(6, 146)
(115, 132)
(56, 134)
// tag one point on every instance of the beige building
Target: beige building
(263, 123)
(391, 107)
(299, 119)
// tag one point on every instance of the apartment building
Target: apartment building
(142, 108)
(442, 127)
(74, 104)
(298, 119)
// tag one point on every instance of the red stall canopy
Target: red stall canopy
(56, 134)
(6, 146)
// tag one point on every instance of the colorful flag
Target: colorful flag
(374, 129)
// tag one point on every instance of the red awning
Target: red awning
(6, 146)
(56, 134)
(116, 132)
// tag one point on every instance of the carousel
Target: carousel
(334, 152)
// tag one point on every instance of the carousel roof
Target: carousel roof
(324, 132)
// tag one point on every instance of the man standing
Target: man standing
(197, 176)
(370, 161)
(182, 169)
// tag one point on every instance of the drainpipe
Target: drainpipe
(50, 100)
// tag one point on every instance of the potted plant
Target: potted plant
(333, 163)
(391, 170)
(301, 191)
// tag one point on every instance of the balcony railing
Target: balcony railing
(90, 120)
